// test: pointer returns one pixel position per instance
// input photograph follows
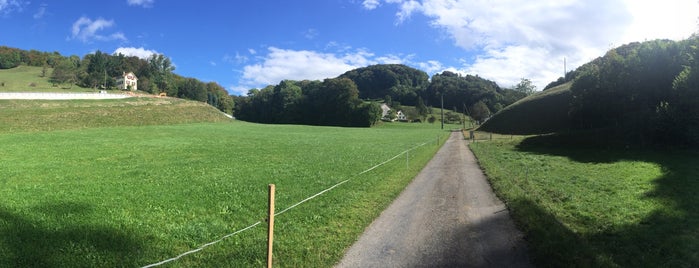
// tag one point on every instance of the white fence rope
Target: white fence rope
(279, 213)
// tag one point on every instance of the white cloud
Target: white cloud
(87, 30)
(280, 64)
(9, 6)
(431, 67)
(514, 40)
(310, 34)
(139, 52)
(371, 4)
(41, 12)
(143, 3)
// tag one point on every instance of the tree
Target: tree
(421, 108)
(64, 73)
(161, 69)
(525, 86)
(431, 119)
(480, 111)
(9, 57)
(400, 82)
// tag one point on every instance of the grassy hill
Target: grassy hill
(543, 112)
(45, 115)
(29, 79)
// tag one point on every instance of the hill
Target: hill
(543, 112)
(25, 78)
(402, 83)
(46, 115)
(641, 94)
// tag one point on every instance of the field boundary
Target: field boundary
(203, 246)
(60, 96)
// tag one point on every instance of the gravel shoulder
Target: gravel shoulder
(447, 217)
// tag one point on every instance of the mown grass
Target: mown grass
(47, 115)
(135, 195)
(541, 113)
(584, 206)
(28, 79)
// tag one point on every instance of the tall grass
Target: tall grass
(135, 195)
(584, 206)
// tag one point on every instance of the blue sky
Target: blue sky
(251, 44)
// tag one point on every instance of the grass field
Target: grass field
(88, 195)
(28, 79)
(47, 115)
(541, 113)
(583, 206)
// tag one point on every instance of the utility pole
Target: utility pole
(442, 95)
(564, 70)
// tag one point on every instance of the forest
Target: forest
(645, 93)
(352, 99)
(99, 70)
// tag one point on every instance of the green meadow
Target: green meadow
(29, 79)
(582, 205)
(149, 188)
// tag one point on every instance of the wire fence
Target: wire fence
(484, 136)
(203, 246)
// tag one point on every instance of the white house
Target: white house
(127, 81)
(401, 116)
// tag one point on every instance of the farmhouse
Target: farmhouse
(401, 116)
(128, 81)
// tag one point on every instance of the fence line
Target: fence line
(279, 213)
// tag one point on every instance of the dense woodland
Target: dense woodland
(100, 70)
(352, 98)
(646, 93)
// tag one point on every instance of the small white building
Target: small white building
(128, 81)
(400, 116)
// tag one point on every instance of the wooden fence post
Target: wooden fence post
(270, 232)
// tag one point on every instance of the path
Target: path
(447, 217)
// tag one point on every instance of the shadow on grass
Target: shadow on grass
(53, 236)
(668, 237)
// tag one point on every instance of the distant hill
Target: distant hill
(402, 83)
(543, 112)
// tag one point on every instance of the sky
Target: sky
(251, 44)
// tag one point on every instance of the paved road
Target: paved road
(447, 217)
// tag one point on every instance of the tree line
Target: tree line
(332, 102)
(646, 93)
(356, 95)
(100, 70)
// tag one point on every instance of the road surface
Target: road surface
(447, 217)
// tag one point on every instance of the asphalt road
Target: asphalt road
(447, 217)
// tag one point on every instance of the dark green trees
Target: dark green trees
(333, 102)
(643, 92)
(402, 83)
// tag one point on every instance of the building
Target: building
(128, 81)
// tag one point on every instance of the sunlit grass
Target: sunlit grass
(131, 196)
(587, 206)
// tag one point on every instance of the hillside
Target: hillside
(25, 78)
(46, 115)
(543, 112)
